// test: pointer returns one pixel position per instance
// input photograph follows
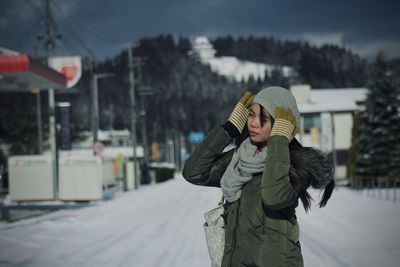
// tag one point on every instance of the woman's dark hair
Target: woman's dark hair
(311, 167)
(263, 117)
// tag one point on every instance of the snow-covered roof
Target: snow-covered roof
(6, 51)
(108, 152)
(354, 94)
(335, 100)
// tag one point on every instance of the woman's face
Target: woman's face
(259, 132)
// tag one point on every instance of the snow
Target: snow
(330, 105)
(161, 225)
(108, 152)
(239, 69)
(242, 69)
(232, 67)
(323, 100)
(352, 230)
(355, 94)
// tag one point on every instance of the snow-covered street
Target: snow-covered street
(161, 225)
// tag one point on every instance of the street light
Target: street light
(95, 103)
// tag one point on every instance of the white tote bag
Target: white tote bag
(215, 234)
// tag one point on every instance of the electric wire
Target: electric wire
(91, 27)
(22, 39)
(69, 28)
(103, 27)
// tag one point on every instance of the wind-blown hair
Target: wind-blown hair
(311, 167)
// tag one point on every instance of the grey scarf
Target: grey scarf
(240, 170)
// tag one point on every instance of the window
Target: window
(312, 121)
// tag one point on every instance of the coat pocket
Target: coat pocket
(260, 248)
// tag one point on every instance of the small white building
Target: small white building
(111, 137)
(327, 120)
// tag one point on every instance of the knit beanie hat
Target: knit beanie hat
(275, 96)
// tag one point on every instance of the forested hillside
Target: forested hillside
(189, 97)
(186, 95)
(325, 67)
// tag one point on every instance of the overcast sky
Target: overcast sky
(106, 26)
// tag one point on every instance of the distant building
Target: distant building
(232, 67)
(115, 142)
(202, 49)
(327, 120)
(109, 138)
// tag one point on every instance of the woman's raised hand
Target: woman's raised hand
(238, 118)
(285, 123)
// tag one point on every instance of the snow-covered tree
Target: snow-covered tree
(378, 143)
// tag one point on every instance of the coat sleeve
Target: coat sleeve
(276, 190)
(207, 164)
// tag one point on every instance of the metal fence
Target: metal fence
(378, 187)
(3, 182)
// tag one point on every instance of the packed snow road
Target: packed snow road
(161, 225)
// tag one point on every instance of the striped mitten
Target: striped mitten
(285, 123)
(238, 118)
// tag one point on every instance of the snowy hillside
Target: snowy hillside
(232, 67)
(161, 225)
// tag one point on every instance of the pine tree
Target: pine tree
(394, 128)
(378, 133)
(363, 159)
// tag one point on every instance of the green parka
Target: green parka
(261, 227)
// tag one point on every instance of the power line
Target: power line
(32, 4)
(27, 34)
(70, 25)
(102, 26)
(87, 28)
(31, 31)
(69, 28)
(94, 27)
(95, 34)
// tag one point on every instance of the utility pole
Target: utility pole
(95, 110)
(144, 132)
(39, 121)
(143, 91)
(133, 113)
(95, 103)
(36, 91)
(50, 44)
(93, 97)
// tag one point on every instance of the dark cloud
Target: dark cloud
(105, 26)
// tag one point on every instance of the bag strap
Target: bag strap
(221, 201)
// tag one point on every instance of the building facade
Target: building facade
(327, 120)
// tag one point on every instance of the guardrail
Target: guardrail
(386, 188)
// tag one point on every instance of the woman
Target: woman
(262, 179)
